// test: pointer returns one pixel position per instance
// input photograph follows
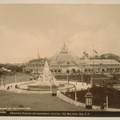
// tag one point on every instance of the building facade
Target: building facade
(101, 66)
(65, 62)
(34, 66)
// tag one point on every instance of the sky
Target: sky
(26, 29)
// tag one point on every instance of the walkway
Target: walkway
(79, 86)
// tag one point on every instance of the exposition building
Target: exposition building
(65, 62)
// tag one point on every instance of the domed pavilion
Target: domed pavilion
(63, 61)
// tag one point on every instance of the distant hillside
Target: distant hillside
(108, 56)
(12, 67)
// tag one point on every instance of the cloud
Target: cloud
(104, 40)
(27, 29)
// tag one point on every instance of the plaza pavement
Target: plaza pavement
(12, 88)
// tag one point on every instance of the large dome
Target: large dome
(64, 56)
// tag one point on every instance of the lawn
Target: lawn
(37, 102)
(19, 77)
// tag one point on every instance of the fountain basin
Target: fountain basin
(36, 86)
(39, 87)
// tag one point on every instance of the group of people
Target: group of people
(103, 106)
(10, 87)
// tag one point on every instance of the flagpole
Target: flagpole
(84, 69)
(111, 67)
(93, 66)
(84, 56)
(93, 58)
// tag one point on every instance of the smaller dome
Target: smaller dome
(88, 94)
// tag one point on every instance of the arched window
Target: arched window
(103, 70)
(59, 70)
(78, 71)
(73, 70)
(68, 71)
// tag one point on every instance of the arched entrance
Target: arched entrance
(103, 70)
(68, 71)
(73, 71)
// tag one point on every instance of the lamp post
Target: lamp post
(88, 100)
(67, 77)
(106, 97)
(54, 90)
(1, 80)
(68, 72)
(15, 72)
(106, 101)
(91, 80)
(82, 80)
(15, 76)
(79, 75)
(75, 93)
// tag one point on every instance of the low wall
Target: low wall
(68, 100)
(30, 92)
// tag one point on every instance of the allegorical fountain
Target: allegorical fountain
(46, 77)
(45, 82)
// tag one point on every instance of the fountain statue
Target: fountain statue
(46, 77)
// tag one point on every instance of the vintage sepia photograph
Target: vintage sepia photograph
(60, 60)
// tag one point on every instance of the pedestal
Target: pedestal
(88, 107)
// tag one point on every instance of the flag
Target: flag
(95, 52)
(86, 54)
